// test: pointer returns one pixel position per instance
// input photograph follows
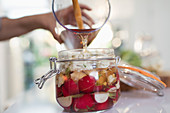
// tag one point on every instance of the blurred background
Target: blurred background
(137, 30)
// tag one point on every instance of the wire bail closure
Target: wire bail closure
(52, 72)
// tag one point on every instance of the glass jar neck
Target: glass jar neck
(80, 54)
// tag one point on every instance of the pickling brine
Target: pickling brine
(88, 90)
(85, 84)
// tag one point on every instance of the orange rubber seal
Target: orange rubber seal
(144, 73)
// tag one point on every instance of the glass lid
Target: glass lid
(141, 79)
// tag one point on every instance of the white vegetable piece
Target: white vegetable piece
(118, 85)
(60, 80)
(65, 101)
(113, 89)
(111, 78)
(77, 75)
(101, 97)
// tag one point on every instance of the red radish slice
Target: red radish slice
(58, 91)
(70, 88)
(106, 105)
(101, 97)
(86, 84)
(98, 88)
(65, 92)
(65, 101)
(84, 102)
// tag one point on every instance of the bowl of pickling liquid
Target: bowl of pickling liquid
(78, 20)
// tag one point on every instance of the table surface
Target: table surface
(136, 101)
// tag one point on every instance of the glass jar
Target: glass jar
(87, 80)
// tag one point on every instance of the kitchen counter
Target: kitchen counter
(136, 101)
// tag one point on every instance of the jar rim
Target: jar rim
(86, 54)
(74, 50)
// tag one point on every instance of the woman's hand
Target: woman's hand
(15, 27)
(66, 16)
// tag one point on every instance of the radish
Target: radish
(102, 106)
(58, 91)
(70, 88)
(87, 84)
(98, 88)
(101, 97)
(65, 101)
(65, 92)
(84, 102)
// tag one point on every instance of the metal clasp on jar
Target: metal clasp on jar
(52, 72)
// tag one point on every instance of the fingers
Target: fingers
(88, 20)
(83, 6)
(73, 22)
(88, 17)
(87, 23)
(56, 36)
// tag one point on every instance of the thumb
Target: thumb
(57, 36)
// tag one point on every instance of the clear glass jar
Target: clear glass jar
(88, 80)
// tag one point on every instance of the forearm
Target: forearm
(16, 27)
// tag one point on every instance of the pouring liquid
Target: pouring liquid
(78, 38)
(86, 38)
(78, 17)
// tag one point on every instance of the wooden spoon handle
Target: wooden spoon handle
(77, 13)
